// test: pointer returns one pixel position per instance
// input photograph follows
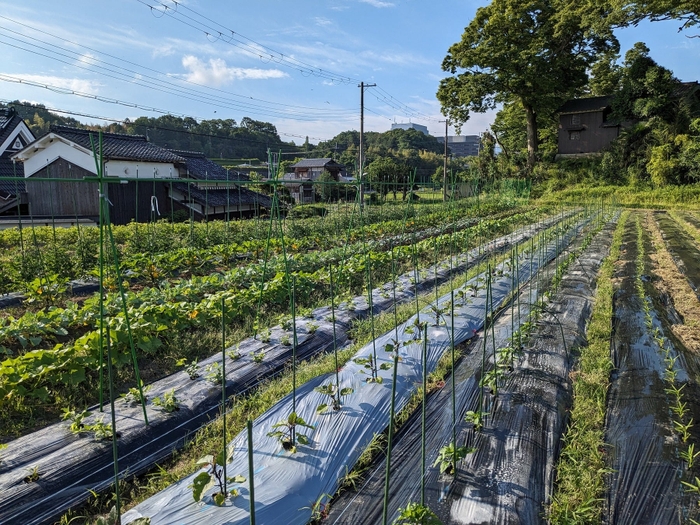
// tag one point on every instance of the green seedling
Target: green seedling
(214, 373)
(234, 354)
(416, 514)
(286, 432)
(101, 430)
(259, 356)
(370, 363)
(311, 327)
(76, 419)
(265, 335)
(191, 369)
(169, 403)
(689, 455)
(335, 395)
(692, 487)
(679, 408)
(448, 457)
(213, 476)
(476, 419)
(133, 397)
(286, 340)
(33, 475)
(319, 509)
(683, 429)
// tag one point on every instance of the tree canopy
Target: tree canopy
(525, 51)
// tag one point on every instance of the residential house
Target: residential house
(14, 135)
(208, 192)
(584, 128)
(67, 153)
(306, 171)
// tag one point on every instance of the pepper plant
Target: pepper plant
(213, 476)
(417, 514)
(286, 432)
(449, 455)
(335, 394)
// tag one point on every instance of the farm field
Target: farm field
(485, 360)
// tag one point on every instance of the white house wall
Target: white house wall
(36, 161)
(141, 170)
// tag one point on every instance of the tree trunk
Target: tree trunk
(531, 136)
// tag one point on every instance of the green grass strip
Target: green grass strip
(581, 467)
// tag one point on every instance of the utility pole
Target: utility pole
(444, 173)
(362, 87)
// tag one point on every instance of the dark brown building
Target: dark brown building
(584, 128)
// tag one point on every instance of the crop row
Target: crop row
(159, 249)
(154, 312)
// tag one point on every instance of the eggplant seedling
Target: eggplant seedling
(448, 457)
(336, 396)
(371, 364)
(259, 356)
(286, 432)
(235, 353)
(214, 476)
(417, 514)
(476, 419)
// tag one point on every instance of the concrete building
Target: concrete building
(411, 125)
(462, 145)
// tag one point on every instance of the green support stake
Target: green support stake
(115, 452)
(223, 383)
(390, 437)
(251, 484)
(424, 359)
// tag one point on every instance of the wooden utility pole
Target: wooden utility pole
(444, 173)
(362, 87)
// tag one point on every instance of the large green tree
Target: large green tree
(520, 50)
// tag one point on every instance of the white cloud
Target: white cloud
(378, 3)
(217, 73)
(322, 21)
(82, 85)
(87, 59)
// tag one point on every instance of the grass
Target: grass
(680, 197)
(581, 468)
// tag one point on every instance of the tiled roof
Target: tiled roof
(10, 187)
(583, 105)
(118, 146)
(316, 163)
(220, 197)
(200, 167)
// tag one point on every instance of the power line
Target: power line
(240, 41)
(299, 114)
(170, 77)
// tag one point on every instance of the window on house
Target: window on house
(575, 135)
(575, 120)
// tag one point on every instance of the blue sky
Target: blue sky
(293, 63)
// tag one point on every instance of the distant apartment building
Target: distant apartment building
(411, 125)
(462, 145)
